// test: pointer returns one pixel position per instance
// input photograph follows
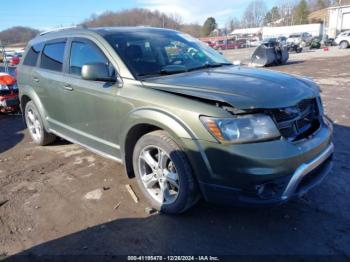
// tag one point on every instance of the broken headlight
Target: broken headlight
(4, 88)
(242, 129)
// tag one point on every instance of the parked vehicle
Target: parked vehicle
(294, 48)
(7, 58)
(253, 41)
(329, 41)
(315, 43)
(230, 44)
(14, 60)
(300, 39)
(9, 101)
(182, 119)
(209, 43)
(282, 40)
(343, 40)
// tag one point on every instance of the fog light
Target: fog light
(267, 190)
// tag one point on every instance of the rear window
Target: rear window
(52, 56)
(33, 54)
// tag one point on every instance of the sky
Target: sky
(47, 14)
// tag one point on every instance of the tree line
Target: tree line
(256, 14)
(285, 12)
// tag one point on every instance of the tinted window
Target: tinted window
(52, 56)
(84, 53)
(33, 54)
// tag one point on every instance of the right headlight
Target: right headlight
(4, 88)
(242, 129)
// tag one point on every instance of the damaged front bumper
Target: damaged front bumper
(269, 172)
(9, 102)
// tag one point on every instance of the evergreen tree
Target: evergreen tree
(272, 16)
(301, 12)
(208, 26)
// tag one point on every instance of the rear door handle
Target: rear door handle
(68, 87)
(35, 79)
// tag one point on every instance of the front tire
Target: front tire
(35, 126)
(343, 45)
(164, 174)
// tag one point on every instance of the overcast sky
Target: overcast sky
(45, 14)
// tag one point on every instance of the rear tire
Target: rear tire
(164, 174)
(35, 126)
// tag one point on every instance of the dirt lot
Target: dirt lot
(62, 199)
(244, 55)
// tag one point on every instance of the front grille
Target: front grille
(5, 92)
(298, 122)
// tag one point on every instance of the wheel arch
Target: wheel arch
(144, 121)
(32, 96)
(345, 41)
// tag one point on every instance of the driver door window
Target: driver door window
(84, 53)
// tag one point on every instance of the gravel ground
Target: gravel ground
(245, 54)
(63, 200)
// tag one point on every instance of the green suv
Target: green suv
(182, 119)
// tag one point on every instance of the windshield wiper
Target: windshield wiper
(208, 65)
(173, 69)
(177, 69)
(167, 70)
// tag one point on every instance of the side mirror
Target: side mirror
(97, 72)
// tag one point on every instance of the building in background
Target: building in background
(335, 19)
(273, 32)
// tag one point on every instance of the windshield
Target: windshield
(152, 52)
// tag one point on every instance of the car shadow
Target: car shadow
(11, 126)
(60, 142)
(293, 62)
(316, 224)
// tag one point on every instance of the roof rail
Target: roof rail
(60, 29)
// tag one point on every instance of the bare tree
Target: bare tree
(254, 14)
(286, 8)
(232, 24)
(135, 17)
(17, 34)
(192, 29)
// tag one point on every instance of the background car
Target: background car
(230, 44)
(14, 60)
(209, 43)
(7, 58)
(302, 39)
(282, 40)
(343, 40)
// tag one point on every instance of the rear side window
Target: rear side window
(33, 54)
(52, 56)
(83, 53)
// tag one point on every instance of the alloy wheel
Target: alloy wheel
(158, 174)
(34, 125)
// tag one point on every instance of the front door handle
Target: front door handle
(35, 79)
(68, 87)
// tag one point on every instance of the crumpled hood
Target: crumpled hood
(241, 87)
